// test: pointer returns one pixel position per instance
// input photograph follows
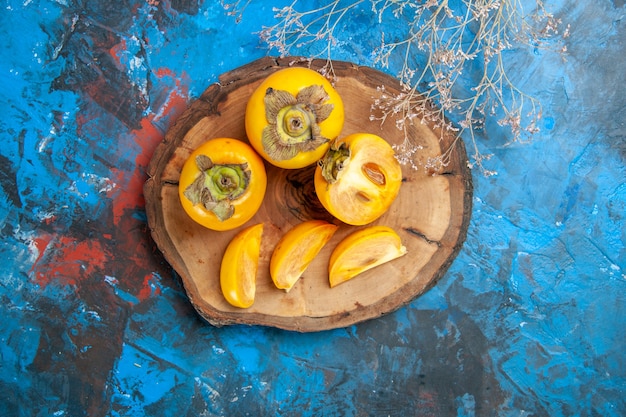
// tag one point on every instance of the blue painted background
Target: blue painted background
(528, 321)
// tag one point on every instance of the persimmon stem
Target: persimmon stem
(218, 185)
(293, 121)
(333, 162)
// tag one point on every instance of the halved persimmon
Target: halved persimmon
(358, 178)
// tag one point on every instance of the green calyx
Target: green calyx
(293, 122)
(217, 186)
(296, 123)
(334, 161)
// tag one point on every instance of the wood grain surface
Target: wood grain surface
(431, 213)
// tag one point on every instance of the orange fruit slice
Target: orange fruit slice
(297, 249)
(363, 250)
(239, 267)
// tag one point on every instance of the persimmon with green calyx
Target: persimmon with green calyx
(296, 250)
(358, 178)
(239, 267)
(222, 184)
(363, 250)
(292, 116)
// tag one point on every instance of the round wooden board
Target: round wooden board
(431, 213)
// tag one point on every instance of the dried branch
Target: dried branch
(441, 47)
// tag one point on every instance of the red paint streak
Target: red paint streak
(41, 243)
(49, 220)
(150, 288)
(176, 101)
(428, 403)
(173, 106)
(147, 137)
(117, 51)
(82, 120)
(135, 265)
(130, 196)
(164, 72)
(66, 260)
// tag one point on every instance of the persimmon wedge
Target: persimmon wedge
(296, 250)
(358, 178)
(239, 267)
(363, 250)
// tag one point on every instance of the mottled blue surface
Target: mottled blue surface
(528, 321)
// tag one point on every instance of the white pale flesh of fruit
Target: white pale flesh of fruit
(372, 256)
(356, 192)
(247, 270)
(299, 260)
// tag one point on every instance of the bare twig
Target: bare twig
(441, 43)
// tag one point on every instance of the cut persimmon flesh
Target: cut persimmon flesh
(363, 250)
(296, 250)
(358, 179)
(239, 267)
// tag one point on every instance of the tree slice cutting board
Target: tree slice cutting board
(431, 213)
